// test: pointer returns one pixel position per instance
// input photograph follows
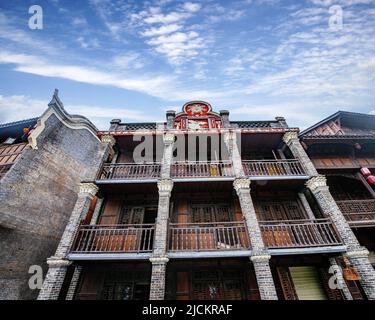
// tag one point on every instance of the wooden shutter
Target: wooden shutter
(307, 283)
(182, 286)
(287, 285)
(333, 294)
(223, 213)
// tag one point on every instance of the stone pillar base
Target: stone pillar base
(158, 275)
(264, 277)
(359, 261)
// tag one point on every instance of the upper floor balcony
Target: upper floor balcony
(203, 170)
(9, 154)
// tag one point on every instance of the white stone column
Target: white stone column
(291, 140)
(58, 263)
(260, 256)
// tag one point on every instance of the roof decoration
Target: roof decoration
(197, 115)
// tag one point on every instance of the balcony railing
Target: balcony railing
(358, 212)
(299, 233)
(126, 238)
(9, 154)
(201, 169)
(130, 171)
(208, 236)
(291, 167)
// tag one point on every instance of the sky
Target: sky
(134, 60)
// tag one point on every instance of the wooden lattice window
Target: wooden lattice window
(132, 215)
(279, 210)
(201, 213)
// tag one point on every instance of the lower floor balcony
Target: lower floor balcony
(299, 234)
(128, 239)
(216, 239)
(194, 238)
(358, 213)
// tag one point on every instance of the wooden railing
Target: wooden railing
(299, 233)
(291, 167)
(9, 154)
(132, 238)
(130, 171)
(201, 169)
(208, 236)
(358, 212)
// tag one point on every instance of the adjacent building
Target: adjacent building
(42, 162)
(342, 148)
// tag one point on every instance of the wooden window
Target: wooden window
(201, 213)
(279, 210)
(132, 215)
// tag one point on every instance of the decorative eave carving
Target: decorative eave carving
(56, 107)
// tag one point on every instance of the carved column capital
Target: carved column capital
(168, 138)
(360, 253)
(289, 136)
(57, 262)
(159, 260)
(260, 258)
(316, 182)
(241, 183)
(165, 185)
(88, 188)
(107, 138)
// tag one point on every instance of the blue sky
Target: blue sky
(136, 59)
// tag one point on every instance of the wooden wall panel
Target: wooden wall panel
(111, 210)
(182, 210)
(91, 286)
(183, 285)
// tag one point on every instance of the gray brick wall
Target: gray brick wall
(36, 199)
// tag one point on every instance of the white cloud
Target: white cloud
(191, 7)
(164, 29)
(36, 65)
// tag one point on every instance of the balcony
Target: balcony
(202, 169)
(127, 240)
(358, 213)
(130, 171)
(274, 168)
(9, 154)
(205, 238)
(299, 234)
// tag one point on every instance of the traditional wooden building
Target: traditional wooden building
(342, 147)
(201, 207)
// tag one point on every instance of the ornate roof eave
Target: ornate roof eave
(203, 131)
(56, 107)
